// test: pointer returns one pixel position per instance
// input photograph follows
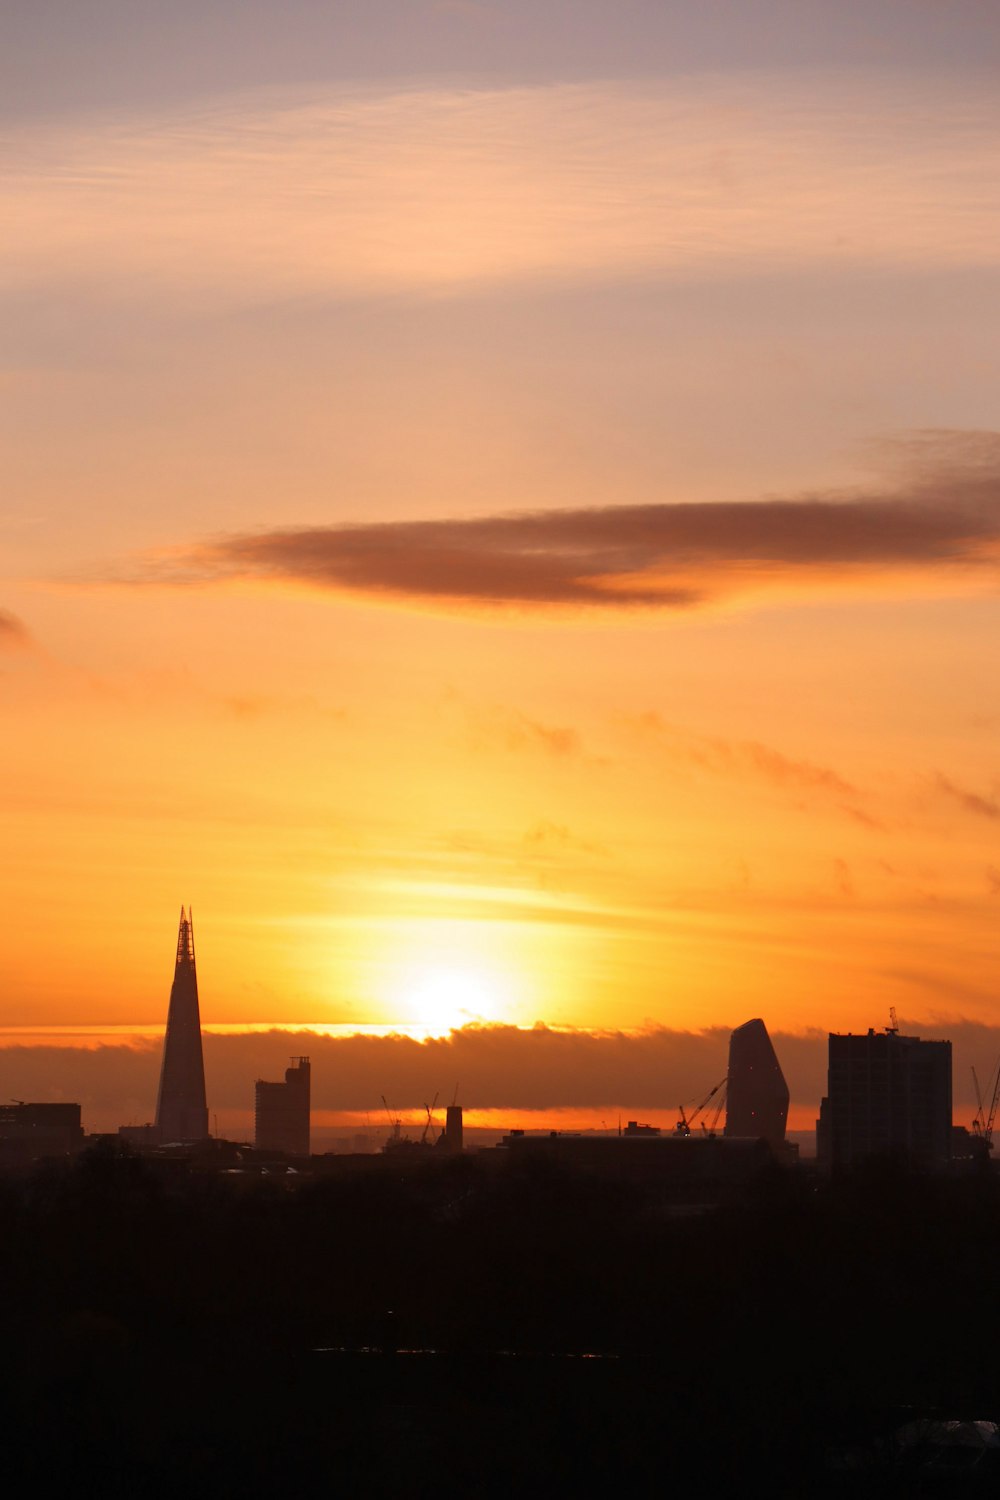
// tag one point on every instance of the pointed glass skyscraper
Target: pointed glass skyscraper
(181, 1110)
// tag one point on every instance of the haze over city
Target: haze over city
(501, 513)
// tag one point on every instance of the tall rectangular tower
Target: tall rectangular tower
(181, 1109)
(887, 1095)
(281, 1111)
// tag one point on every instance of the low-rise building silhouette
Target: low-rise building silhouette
(887, 1095)
(140, 1137)
(703, 1165)
(281, 1111)
(31, 1131)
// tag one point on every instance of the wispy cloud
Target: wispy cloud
(249, 707)
(750, 757)
(14, 634)
(434, 188)
(514, 731)
(943, 523)
(554, 839)
(971, 802)
(862, 818)
(805, 780)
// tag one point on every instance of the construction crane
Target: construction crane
(979, 1119)
(713, 1123)
(394, 1122)
(684, 1124)
(430, 1120)
(984, 1128)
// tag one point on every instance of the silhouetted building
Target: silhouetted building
(705, 1165)
(453, 1131)
(887, 1095)
(281, 1111)
(970, 1151)
(29, 1131)
(756, 1093)
(181, 1110)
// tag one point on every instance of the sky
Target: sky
(500, 512)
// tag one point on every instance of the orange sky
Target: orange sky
(684, 709)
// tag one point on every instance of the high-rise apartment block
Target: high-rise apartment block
(887, 1095)
(281, 1111)
(181, 1108)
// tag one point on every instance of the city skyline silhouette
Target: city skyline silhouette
(501, 511)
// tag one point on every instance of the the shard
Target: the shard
(181, 1110)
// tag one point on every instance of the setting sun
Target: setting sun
(441, 999)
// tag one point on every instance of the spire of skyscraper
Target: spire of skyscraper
(181, 1110)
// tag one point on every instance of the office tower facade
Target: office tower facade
(757, 1094)
(887, 1095)
(181, 1108)
(281, 1111)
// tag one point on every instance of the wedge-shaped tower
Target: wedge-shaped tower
(757, 1094)
(181, 1110)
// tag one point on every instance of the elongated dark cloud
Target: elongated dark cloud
(673, 556)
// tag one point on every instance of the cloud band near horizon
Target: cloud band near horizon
(499, 1067)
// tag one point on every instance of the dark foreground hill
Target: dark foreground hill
(453, 1329)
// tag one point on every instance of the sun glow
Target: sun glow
(433, 974)
(441, 998)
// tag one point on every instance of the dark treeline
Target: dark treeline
(161, 1329)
